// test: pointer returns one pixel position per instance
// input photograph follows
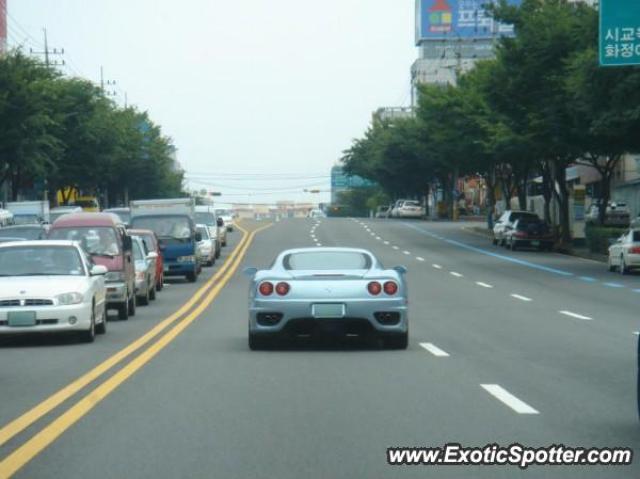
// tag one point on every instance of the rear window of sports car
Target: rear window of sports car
(326, 260)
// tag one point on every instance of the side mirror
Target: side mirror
(400, 269)
(152, 255)
(127, 243)
(220, 222)
(250, 272)
(99, 270)
(198, 237)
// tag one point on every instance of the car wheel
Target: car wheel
(132, 305)
(152, 294)
(217, 253)
(160, 283)
(224, 244)
(192, 277)
(623, 267)
(123, 311)
(89, 336)
(397, 341)
(143, 300)
(513, 245)
(259, 342)
(611, 266)
(494, 241)
(102, 327)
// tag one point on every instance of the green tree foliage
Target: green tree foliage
(541, 105)
(65, 132)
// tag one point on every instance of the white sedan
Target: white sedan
(624, 254)
(51, 286)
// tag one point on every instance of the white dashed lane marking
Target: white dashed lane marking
(436, 266)
(457, 275)
(420, 258)
(521, 298)
(395, 247)
(509, 399)
(576, 315)
(436, 351)
(484, 285)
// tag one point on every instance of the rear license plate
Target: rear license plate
(328, 311)
(21, 319)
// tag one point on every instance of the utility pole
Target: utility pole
(48, 53)
(107, 85)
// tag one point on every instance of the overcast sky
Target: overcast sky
(253, 87)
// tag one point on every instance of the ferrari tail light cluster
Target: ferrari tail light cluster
(267, 289)
(375, 288)
(634, 250)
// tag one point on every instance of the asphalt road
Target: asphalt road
(557, 334)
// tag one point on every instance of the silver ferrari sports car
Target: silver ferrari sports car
(327, 292)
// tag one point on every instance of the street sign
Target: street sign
(619, 33)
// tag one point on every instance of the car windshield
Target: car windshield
(223, 212)
(137, 251)
(327, 260)
(165, 226)
(411, 203)
(26, 219)
(27, 233)
(98, 241)
(40, 261)
(204, 232)
(205, 218)
(525, 216)
(149, 242)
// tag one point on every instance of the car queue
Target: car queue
(65, 276)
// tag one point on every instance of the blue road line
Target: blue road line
(636, 290)
(614, 285)
(492, 254)
(588, 279)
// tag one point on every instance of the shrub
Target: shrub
(599, 237)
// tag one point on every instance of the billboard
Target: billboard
(458, 20)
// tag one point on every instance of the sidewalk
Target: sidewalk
(578, 252)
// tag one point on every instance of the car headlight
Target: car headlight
(67, 299)
(186, 259)
(115, 277)
(139, 275)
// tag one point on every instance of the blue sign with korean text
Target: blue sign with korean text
(619, 33)
(458, 19)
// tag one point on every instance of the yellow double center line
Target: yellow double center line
(21, 456)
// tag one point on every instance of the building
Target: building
(393, 113)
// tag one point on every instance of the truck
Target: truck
(29, 212)
(173, 222)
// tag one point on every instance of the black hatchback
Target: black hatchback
(530, 232)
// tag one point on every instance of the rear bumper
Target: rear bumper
(632, 261)
(116, 294)
(360, 317)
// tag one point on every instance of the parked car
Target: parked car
(410, 209)
(153, 245)
(206, 215)
(390, 210)
(624, 254)
(25, 232)
(382, 211)
(394, 209)
(333, 292)
(206, 247)
(616, 214)
(59, 211)
(50, 287)
(105, 239)
(6, 217)
(145, 266)
(533, 233)
(123, 213)
(506, 221)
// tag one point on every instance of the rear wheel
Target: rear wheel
(160, 283)
(623, 266)
(143, 300)
(612, 267)
(192, 277)
(123, 310)
(132, 305)
(260, 341)
(152, 293)
(397, 341)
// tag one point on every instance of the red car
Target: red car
(151, 241)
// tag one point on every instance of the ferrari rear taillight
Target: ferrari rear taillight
(266, 288)
(634, 250)
(374, 288)
(390, 288)
(282, 288)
